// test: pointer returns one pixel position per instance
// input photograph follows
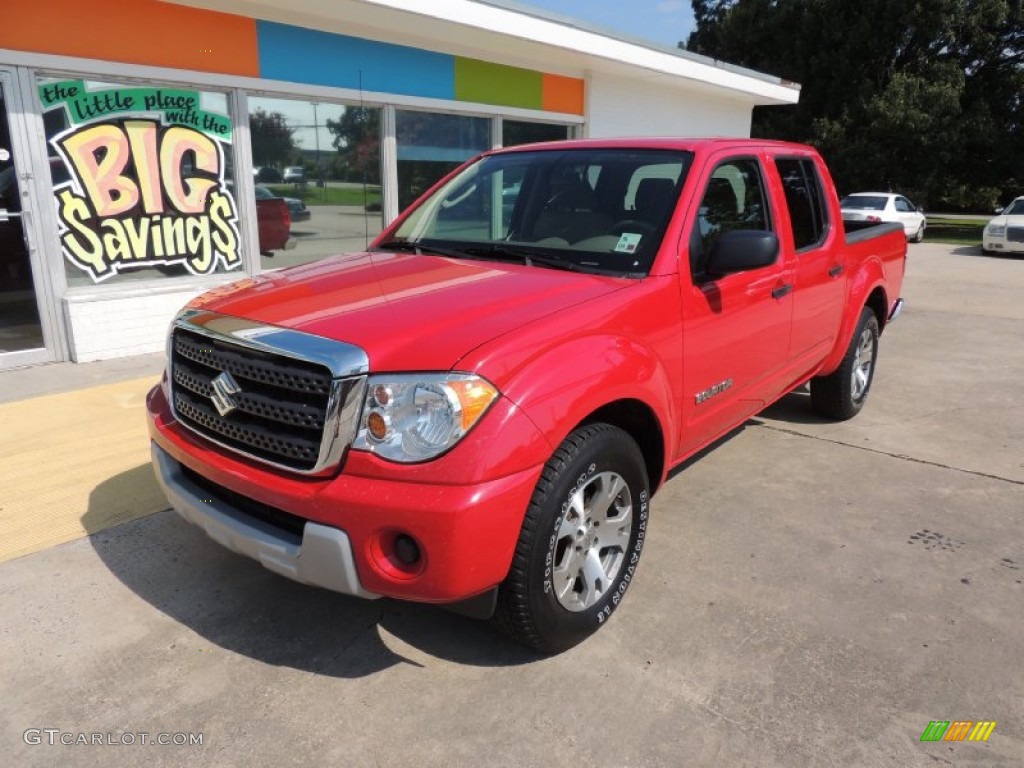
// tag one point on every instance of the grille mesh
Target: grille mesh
(280, 410)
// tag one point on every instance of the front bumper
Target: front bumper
(322, 557)
(1001, 245)
(466, 530)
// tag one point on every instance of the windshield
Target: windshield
(1016, 208)
(594, 210)
(864, 203)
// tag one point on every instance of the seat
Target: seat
(653, 198)
(718, 213)
(572, 213)
(718, 208)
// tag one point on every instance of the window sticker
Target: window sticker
(147, 179)
(628, 242)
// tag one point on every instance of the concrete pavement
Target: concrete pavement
(811, 594)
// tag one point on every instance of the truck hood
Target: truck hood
(408, 312)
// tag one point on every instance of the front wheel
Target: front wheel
(919, 236)
(842, 394)
(580, 542)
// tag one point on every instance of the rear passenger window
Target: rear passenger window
(805, 200)
(734, 199)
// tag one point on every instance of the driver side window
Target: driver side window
(733, 199)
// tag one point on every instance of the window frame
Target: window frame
(700, 276)
(825, 219)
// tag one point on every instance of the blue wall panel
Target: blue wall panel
(301, 55)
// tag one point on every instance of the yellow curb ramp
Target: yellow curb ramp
(74, 464)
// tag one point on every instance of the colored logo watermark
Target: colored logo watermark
(958, 730)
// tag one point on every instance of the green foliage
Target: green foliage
(920, 96)
(357, 139)
(272, 142)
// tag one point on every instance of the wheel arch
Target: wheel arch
(638, 420)
(607, 378)
(866, 289)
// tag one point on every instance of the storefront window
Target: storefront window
(514, 132)
(323, 161)
(430, 145)
(142, 177)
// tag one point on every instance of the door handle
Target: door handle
(836, 271)
(782, 290)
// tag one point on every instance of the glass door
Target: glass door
(22, 337)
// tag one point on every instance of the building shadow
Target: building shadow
(233, 603)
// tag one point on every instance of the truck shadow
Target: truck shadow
(794, 408)
(233, 603)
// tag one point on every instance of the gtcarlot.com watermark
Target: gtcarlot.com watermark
(56, 736)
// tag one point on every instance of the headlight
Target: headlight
(996, 230)
(415, 417)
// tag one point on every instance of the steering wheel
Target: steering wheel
(635, 225)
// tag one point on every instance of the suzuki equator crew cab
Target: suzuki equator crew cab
(477, 409)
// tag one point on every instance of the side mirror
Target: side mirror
(742, 250)
(997, 211)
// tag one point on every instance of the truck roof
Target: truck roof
(692, 144)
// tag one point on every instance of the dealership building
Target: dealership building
(146, 145)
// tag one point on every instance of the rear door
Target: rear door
(819, 268)
(735, 328)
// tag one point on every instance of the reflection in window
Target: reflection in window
(322, 162)
(734, 200)
(515, 132)
(430, 145)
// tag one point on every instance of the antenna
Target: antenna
(362, 138)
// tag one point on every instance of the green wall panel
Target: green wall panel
(487, 83)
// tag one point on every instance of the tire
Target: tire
(842, 394)
(919, 236)
(564, 583)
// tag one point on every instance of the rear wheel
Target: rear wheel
(580, 542)
(842, 394)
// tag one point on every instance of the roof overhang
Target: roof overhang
(504, 33)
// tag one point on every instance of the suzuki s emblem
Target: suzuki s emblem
(224, 386)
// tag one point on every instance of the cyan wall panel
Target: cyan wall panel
(301, 55)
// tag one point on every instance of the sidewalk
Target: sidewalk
(74, 454)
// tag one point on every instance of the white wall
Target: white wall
(102, 326)
(629, 107)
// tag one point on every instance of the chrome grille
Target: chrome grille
(1015, 234)
(287, 411)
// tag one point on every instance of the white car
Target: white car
(885, 206)
(1005, 233)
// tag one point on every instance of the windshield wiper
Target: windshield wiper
(528, 256)
(419, 249)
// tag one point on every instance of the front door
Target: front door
(737, 327)
(24, 327)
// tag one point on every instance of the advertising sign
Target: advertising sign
(145, 179)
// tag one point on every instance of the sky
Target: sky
(660, 21)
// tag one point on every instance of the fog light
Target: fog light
(406, 549)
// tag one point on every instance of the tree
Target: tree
(921, 96)
(272, 140)
(357, 140)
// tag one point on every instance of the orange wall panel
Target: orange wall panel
(134, 31)
(563, 94)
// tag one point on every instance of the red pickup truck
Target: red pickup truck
(477, 410)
